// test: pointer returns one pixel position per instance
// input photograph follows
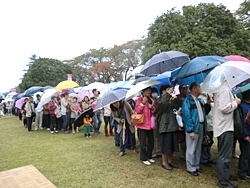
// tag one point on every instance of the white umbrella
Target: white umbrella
(94, 85)
(233, 72)
(46, 97)
(136, 89)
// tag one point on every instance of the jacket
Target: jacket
(52, 108)
(144, 109)
(166, 120)
(64, 105)
(128, 110)
(190, 114)
(87, 121)
(107, 111)
(224, 106)
(245, 109)
(29, 108)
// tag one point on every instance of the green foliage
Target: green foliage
(45, 71)
(199, 30)
(244, 14)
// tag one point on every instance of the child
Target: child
(87, 123)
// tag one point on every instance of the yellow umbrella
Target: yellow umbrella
(66, 84)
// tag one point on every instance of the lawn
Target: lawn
(73, 161)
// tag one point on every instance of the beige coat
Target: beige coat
(107, 111)
(127, 108)
(224, 105)
(29, 107)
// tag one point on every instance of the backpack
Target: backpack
(238, 123)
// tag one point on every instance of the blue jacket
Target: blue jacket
(190, 114)
(245, 107)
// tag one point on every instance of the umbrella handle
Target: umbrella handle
(123, 132)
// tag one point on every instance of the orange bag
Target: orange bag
(137, 118)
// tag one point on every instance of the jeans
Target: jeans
(225, 148)
(131, 137)
(65, 121)
(97, 122)
(29, 123)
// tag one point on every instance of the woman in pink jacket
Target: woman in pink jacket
(146, 105)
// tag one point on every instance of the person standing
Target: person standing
(75, 108)
(53, 105)
(64, 112)
(194, 112)
(107, 121)
(39, 114)
(87, 120)
(97, 114)
(223, 127)
(46, 116)
(30, 110)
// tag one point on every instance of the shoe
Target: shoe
(166, 167)
(73, 132)
(41, 128)
(52, 132)
(233, 178)
(173, 165)
(56, 131)
(121, 154)
(89, 136)
(146, 163)
(77, 130)
(207, 164)
(66, 132)
(106, 133)
(48, 129)
(212, 162)
(111, 133)
(183, 158)
(226, 186)
(117, 145)
(193, 173)
(235, 156)
(200, 170)
(135, 151)
(151, 160)
(244, 178)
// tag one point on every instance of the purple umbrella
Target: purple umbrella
(83, 93)
(20, 102)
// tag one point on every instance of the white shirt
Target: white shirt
(199, 108)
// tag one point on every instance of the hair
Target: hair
(154, 90)
(193, 85)
(246, 95)
(62, 95)
(93, 91)
(53, 97)
(85, 97)
(146, 89)
(30, 97)
(182, 86)
(114, 109)
(38, 95)
(75, 98)
(164, 87)
(66, 93)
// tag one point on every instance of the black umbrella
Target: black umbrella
(79, 120)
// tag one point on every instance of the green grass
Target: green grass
(70, 161)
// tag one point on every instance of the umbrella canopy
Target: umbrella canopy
(110, 97)
(19, 96)
(233, 72)
(136, 70)
(94, 85)
(66, 84)
(1, 96)
(20, 102)
(46, 97)
(140, 79)
(241, 90)
(136, 89)
(79, 120)
(32, 90)
(237, 58)
(165, 61)
(197, 69)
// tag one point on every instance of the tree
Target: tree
(45, 71)
(199, 30)
(244, 14)
(32, 59)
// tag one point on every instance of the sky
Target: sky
(64, 29)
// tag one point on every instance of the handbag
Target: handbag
(238, 123)
(153, 122)
(137, 118)
(207, 140)
(178, 117)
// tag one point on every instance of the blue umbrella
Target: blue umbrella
(19, 96)
(1, 96)
(165, 61)
(163, 79)
(197, 69)
(32, 90)
(110, 97)
(140, 79)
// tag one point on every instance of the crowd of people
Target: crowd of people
(159, 133)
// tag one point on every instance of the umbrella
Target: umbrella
(79, 119)
(15, 97)
(46, 97)
(197, 69)
(136, 89)
(1, 96)
(165, 61)
(163, 79)
(32, 90)
(140, 79)
(136, 70)
(20, 102)
(237, 58)
(87, 90)
(19, 96)
(234, 72)
(66, 84)
(123, 133)
(241, 90)
(109, 97)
